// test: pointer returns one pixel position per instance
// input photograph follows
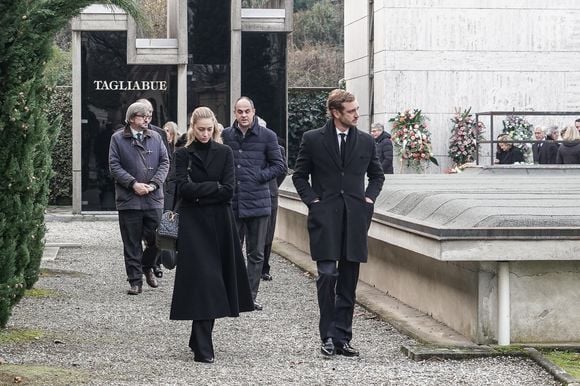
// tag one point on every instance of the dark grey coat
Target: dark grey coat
(131, 161)
(385, 152)
(568, 153)
(340, 189)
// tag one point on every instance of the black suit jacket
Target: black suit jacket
(545, 154)
(342, 211)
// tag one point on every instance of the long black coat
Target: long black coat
(340, 189)
(210, 280)
(546, 153)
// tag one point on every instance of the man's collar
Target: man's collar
(338, 132)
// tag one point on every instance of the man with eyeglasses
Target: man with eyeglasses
(139, 164)
(166, 204)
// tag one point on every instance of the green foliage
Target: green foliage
(27, 136)
(322, 24)
(306, 111)
(60, 112)
(569, 361)
(59, 68)
(19, 335)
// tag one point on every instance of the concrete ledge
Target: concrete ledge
(49, 253)
(421, 352)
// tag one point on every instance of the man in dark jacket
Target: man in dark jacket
(543, 152)
(329, 176)
(167, 203)
(384, 147)
(257, 160)
(139, 164)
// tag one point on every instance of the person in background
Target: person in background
(577, 123)
(553, 133)
(257, 159)
(543, 152)
(329, 177)
(172, 133)
(210, 279)
(384, 147)
(274, 185)
(168, 257)
(507, 153)
(139, 164)
(569, 152)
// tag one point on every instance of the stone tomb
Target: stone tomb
(493, 252)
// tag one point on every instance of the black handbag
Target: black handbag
(168, 230)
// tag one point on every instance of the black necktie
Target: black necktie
(342, 146)
(139, 137)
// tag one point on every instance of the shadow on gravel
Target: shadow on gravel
(48, 272)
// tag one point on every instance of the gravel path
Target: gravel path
(93, 327)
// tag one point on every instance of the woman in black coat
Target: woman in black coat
(211, 280)
(507, 153)
(569, 151)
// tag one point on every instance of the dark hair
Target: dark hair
(336, 98)
(251, 102)
(577, 120)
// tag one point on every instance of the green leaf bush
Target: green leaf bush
(306, 111)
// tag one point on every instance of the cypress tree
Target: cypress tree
(26, 135)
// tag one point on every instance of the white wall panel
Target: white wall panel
(438, 55)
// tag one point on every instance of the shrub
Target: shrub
(306, 111)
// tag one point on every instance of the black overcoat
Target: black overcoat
(342, 209)
(210, 280)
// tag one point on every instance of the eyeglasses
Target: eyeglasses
(144, 116)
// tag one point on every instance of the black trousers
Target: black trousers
(270, 236)
(336, 287)
(200, 341)
(136, 226)
(254, 230)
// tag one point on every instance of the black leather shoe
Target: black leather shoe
(346, 350)
(158, 272)
(266, 277)
(150, 279)
(204, 360)
(134, 290)
(327, 347)
(258, 306)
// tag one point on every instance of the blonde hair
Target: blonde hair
(202, 113)
(173, 129)
(571, 134)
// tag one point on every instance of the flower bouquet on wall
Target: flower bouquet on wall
(465, 135)
(519, 129)
(412, 140)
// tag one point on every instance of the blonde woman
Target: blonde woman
(210, 280)
(507, 153)
(569, 151)
(172, 133)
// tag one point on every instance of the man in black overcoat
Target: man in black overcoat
(336, 158)
(543, 152)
